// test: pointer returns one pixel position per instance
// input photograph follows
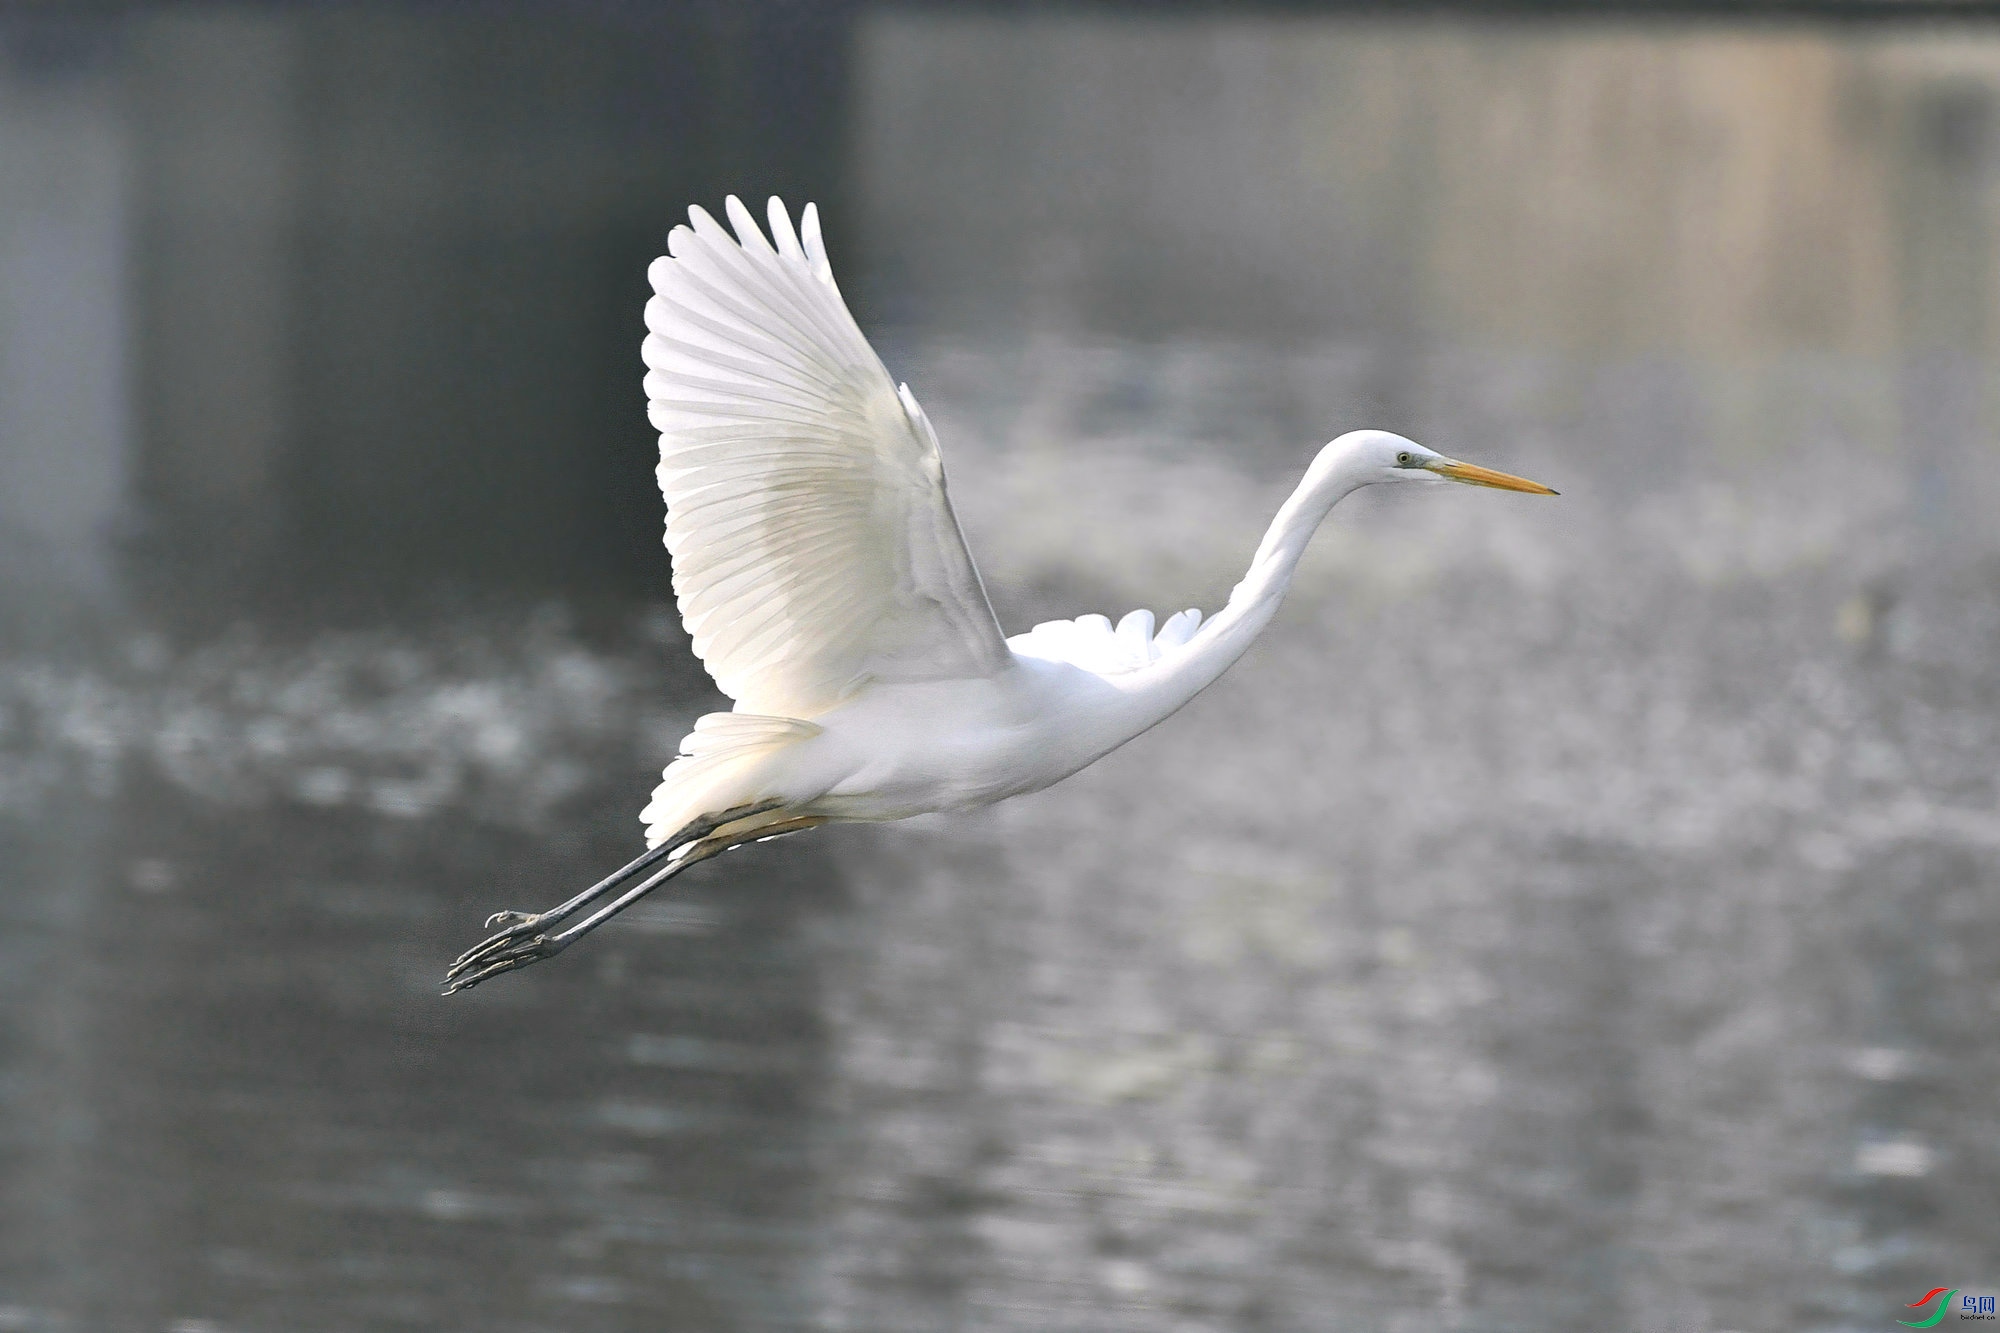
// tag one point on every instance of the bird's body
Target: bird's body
(824, 580)
(926, 747)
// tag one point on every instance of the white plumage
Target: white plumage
(813, 546)
(826, 585)
(1092, 643)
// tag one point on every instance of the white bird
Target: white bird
(823, 578)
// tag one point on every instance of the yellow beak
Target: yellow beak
(1473, 475)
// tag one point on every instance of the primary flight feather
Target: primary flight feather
(826, 585)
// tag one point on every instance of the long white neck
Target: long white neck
(1167, 686)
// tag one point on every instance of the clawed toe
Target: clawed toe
(501, 954)
(486, 948)
(499, 919)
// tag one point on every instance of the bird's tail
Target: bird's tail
(721, 765)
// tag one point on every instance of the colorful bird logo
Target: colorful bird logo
(1925, 1299)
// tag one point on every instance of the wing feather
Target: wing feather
(814, 546)
(1093, 643)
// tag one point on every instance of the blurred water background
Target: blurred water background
(1575, 915)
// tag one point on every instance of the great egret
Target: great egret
(823, 578)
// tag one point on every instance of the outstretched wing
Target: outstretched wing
(1090, 642)
(814, 549)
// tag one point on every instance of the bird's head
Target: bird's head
(1368, 456)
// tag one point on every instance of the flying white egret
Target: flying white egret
(825, 582)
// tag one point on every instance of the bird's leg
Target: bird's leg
(521, 924)
(507, 951)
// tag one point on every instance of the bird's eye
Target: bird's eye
(1403, 459)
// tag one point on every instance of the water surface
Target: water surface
(1575, 914)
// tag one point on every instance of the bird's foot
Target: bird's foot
(519, 942)
(516, 926)
(528, 937)
(504, 952)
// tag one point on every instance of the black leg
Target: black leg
(505, 954)
(513, 920)
(521, 925)
(701, 852)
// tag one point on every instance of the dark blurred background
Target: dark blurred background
(1575, 915)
